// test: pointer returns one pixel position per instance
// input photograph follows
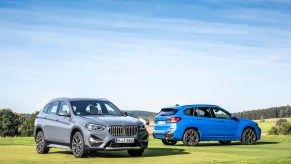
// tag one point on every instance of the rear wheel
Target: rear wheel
(168, 142)
(78, 146)
(191, 137)
(41, 147)
(135, 153)
(225, 142)
(249, 137)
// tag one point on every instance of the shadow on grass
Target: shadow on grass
(231, 144)
(265, 143)
(150, 152)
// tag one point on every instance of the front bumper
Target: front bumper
(107, 142)
(258, 131)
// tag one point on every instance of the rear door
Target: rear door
(50, 122)
(203, 121)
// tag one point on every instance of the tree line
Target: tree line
(273, 112)
(141, 114)
(14, 124)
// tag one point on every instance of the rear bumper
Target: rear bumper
(163, 135)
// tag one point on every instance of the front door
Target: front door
(224, 127)
(63, 124)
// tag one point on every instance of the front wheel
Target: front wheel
(41, 147)
(191, 137)
(135, 153)
(168, 142)
(225, 142)
(249, 137)
(78, 146)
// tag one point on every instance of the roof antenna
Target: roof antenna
(177, 105)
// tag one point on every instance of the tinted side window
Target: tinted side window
(189, 112)
(202, 112)
(167, 112)
(54, 108)
(64, 107)
(46, 108)
(220, 114)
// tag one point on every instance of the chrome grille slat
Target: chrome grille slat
(123, 130)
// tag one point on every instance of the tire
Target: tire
(41, 147)
(225, 142)
(191, 137)
(135, 153)
(78, 146)
(248, 137)
(168, 142)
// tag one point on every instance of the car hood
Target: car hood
(246, 121)
(111, 120)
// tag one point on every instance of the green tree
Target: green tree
(9, 123)
(262, 119)
(26, 129)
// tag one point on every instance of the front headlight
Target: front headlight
(91, 127)
(142, 127)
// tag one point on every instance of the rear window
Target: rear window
(167, 112)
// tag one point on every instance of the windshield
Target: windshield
(95, 107)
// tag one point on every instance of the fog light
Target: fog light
(94, 140)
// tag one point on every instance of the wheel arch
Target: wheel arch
(74, 130)
(195, 128)
(37, 129)
(247, 128)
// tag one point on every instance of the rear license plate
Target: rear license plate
(161, 122)
(124, 140)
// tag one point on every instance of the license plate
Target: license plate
(124, 140)
(161, 122)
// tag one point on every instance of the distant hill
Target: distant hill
(143, 114)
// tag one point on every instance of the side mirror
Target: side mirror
(64, 113)
(126, 113)
(233, 117)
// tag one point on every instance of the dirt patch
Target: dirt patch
(274, 119)
(150, 129)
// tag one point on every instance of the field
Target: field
(266, 126)
(270, 149)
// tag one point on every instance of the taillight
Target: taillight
(173, 119)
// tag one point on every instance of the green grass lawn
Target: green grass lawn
(271, 149)
(266, 126)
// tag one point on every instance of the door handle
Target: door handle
(44, 117)
(198, 118)
(221, 121)
(57, 119)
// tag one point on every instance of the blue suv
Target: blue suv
(194, 123)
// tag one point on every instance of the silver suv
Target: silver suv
(83, 125)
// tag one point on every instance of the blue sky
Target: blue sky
(146, 54)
